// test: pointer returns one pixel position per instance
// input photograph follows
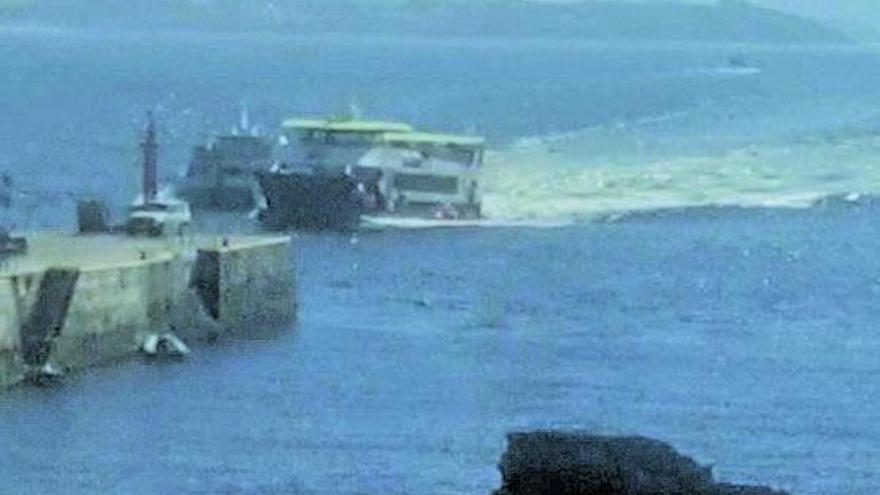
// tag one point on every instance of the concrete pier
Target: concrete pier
(77, 301)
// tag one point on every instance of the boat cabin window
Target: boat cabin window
(329, 149)
(426, 183)
(150, 207)
(468, 157)
(242, 148)
(368, 174)
(336, 138)
(454, 154)
(234, 171)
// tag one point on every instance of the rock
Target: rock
(577, 463)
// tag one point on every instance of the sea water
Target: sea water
(677, 250)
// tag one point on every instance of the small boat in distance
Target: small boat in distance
(342, 173)
(737, 61)
(738, 65)
(220, 174)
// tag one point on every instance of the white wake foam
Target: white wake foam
(553, 179)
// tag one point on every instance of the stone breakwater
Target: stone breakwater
(576, 463)
(73, 302)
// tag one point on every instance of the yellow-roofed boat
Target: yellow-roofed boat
(340, 173)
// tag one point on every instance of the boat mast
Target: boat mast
(151, 153)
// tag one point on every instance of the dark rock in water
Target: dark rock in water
(574, 463)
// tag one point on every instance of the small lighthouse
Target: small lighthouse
(151, 154)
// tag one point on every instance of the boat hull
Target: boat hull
(301, 200)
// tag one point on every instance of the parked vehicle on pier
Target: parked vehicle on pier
(159, 218)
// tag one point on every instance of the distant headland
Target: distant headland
(733, 21)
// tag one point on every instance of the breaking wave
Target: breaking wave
(561, 178)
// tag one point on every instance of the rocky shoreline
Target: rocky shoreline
(578, 463)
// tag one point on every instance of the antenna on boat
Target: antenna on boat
(150, 161)
(354, 110)
(244, 121)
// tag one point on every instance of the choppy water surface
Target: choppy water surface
(750, 348)
(744, 336)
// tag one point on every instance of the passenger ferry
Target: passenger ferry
(421, 175)
(342, 173)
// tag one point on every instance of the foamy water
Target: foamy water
(547, 179)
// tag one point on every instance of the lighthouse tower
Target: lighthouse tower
(150, 165)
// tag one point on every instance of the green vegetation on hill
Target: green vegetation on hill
(15, 6)
(729, 20)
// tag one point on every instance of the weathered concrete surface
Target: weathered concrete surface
(576, 463)
(126, 289)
